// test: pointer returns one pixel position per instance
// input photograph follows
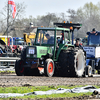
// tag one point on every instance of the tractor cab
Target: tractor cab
(48, 36)
(71, 26)
(51, 40)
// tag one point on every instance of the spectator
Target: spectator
(94, 31)
(77, 44)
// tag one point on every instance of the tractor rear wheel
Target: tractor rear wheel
(63, 62)
(19, 69)
(49, 67)
(72, 62)
(77, 62)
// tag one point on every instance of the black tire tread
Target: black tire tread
(67, 61)
(17, 68)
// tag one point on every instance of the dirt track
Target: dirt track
(13, 80)
(9, 80)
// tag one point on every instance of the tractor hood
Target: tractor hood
(92, 51)
(38, 51)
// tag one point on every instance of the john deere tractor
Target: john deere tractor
(52, 56)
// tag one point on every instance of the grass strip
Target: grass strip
(7, 72)
(29, 89)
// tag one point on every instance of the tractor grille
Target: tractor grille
(32, 61)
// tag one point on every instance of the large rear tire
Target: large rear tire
(19, 69)
(77, 62)
(63, 62)
(72, 62)
(49, 67)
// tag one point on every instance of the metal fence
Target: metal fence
(7, 61)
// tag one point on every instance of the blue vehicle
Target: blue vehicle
(92, 53)
(16, 41)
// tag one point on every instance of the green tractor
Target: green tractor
(52, 54)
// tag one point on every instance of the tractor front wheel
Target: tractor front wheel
(89, 70)
(49, 68)
(19, 69)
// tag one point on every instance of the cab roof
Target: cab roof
(68, 25)
(53, 28)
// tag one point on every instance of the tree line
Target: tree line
(88, 15)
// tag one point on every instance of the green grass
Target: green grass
(33, 88)
(42, 88)
(1, 72)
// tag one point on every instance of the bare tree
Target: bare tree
(63, 16)
(88, 15)
(72, 14)
(48, 19)
(20, 10)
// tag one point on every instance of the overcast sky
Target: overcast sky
(42, 7)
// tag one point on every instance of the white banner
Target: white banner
(97, 52)
(90, 50)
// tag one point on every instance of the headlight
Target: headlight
(34, 55)
(28, 55)
(31, 51)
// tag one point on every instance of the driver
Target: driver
(50, 39)
(77, 44)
